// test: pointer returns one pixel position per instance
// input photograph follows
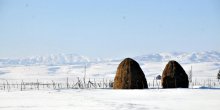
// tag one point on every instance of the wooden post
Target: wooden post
(38, 85)
(67, 83)
(53, 83)
(21, 85)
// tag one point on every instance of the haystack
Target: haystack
(129, 75)
(174, 76)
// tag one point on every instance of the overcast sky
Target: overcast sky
(108, 28)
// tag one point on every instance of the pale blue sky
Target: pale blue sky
(108, 28)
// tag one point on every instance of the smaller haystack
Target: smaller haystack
(174, 76)
(129, 75)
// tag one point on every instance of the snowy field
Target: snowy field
(203, 74)
(204, 65)
(203, 95)
(194, 98)
(107, 99)
(202, 70)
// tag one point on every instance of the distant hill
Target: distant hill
(65, 59)
(193, 57)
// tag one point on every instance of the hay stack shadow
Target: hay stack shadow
(174, 76)
(129, 75)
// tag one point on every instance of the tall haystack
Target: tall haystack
(129, 75)
(174, 76)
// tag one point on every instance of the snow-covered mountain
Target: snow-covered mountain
(193, 57)
(57, 59)
(64, 59)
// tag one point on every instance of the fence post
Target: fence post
(38, 85)
(67, 83)
(21, 85)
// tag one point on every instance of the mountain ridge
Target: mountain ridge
(68, 59)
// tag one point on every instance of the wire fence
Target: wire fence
(90, 83)
(78, 83)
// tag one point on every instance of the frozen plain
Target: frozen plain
(107, 99)
(196, 98)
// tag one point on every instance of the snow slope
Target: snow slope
(204, 64)
(101, 70)
(105, 99)
(59, 68)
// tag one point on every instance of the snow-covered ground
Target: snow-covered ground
(205, 66)
(202, 70)
(106, 99)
